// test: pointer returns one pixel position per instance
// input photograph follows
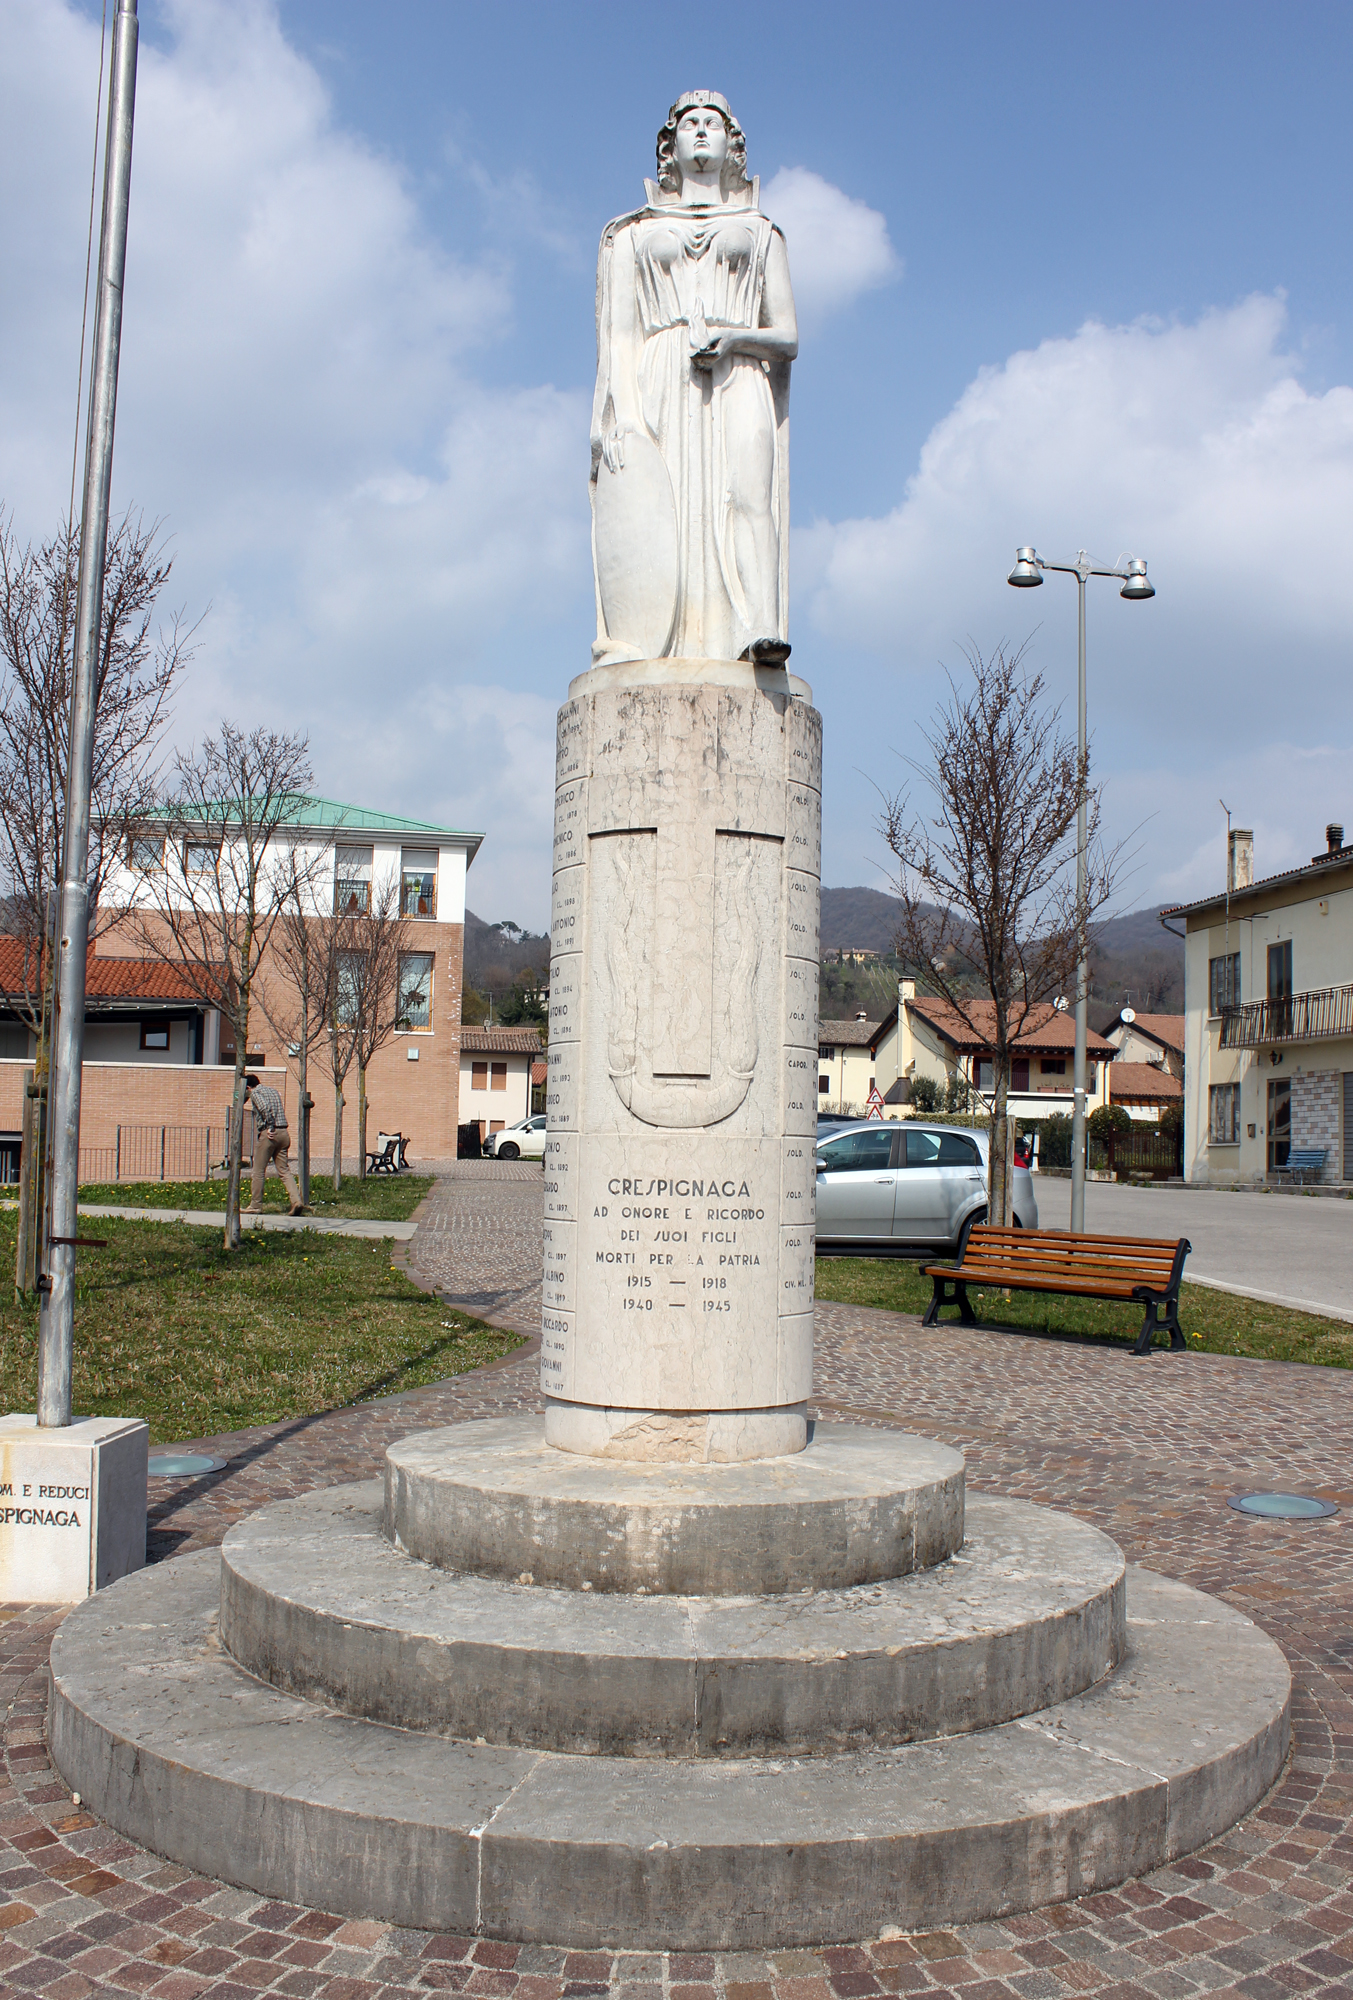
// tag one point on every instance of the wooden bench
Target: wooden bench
(1143, 1268)
(1302, 1161)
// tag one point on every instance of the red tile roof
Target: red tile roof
(108, 979)
(848, 1034)
(1046, 1029)
(500, 1041)
(1167, 1029)
(1142, 1083)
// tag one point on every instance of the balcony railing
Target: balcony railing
(1316, 1016)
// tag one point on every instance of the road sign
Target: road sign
(874, 1108)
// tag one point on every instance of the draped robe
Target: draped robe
(681, 572)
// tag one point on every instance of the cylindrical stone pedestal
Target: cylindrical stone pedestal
(682, 1098)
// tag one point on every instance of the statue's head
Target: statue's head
(692, 137)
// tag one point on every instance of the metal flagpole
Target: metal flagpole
(57, 1282)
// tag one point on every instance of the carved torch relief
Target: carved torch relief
(687, 819)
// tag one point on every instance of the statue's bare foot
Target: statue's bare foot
(767, 652)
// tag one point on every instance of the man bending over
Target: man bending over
(272, 1142)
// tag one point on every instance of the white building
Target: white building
(1268, 986)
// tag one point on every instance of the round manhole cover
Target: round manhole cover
(1282, 1506)
(181, 1464)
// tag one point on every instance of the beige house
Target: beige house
(845, 1065)
(925, 1036)
(1268, 986)
(495, 1076)
(1147, 1073)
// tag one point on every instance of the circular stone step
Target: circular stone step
(173, 1744)
(316, 1601)
(492, 1499)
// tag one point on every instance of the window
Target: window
(1223, 982)
(199, 858)
(858, 1152)
(352, 880)
(479, 1076)
(349, 986)
(1280, 970)
(941, 1149)
(145, 853)
(415, 990)
(824, 1084)
(1223, 1114)
(985, 1076)
(499, 1076)
(418, 897)
(825, 1053)
(154, 1035)
(1053, 1065)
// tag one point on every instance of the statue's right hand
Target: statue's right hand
(613, 447)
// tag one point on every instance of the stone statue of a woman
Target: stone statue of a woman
(690, 473)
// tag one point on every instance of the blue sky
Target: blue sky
(1065, 275)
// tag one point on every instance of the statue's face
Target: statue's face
(701, 140)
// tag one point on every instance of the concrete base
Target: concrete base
(316, 1601)
(492, 1499)
(177, 1747)
(676, 1437)
(72, 1506)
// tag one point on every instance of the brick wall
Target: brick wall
(420, 1098)
(1317, 1103)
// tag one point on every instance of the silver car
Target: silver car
(907, 1184)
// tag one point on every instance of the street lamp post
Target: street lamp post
(1026, 575)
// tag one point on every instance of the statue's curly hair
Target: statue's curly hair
(735, 166)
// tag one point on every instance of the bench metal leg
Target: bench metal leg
(1153, 1324)
(950, 1290)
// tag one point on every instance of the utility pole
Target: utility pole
(57, 1283)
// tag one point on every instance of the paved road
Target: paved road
(1296, 1250)
(206, 1218)
(1147, 1450)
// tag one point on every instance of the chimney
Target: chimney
(1240, 860)
(1334, 838)
(863, 1014)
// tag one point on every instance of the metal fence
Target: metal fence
(160, 1153)
(1145, 1151)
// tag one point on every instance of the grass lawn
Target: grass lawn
(170, 1327)
(1214, 1322)
(384, 1197)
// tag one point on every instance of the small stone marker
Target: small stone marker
(72, 1506)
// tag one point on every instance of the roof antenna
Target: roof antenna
(1226, 948)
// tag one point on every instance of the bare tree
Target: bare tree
(137, 669)
(136, 672)
(299, 999)
(986, 878)
(212, 904)
(375, 995)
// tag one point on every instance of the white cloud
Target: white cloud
(838, 247)
(377, 533)
(1198, 447)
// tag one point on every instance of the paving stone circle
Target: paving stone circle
(1147, 1450)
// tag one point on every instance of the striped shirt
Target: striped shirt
(270, 1114)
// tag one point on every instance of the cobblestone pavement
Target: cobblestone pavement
(1148, 1450)
(478, 1240)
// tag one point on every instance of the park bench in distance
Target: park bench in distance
(1304, 1161)
(1144, 1268)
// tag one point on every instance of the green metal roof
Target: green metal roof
(332, 816)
